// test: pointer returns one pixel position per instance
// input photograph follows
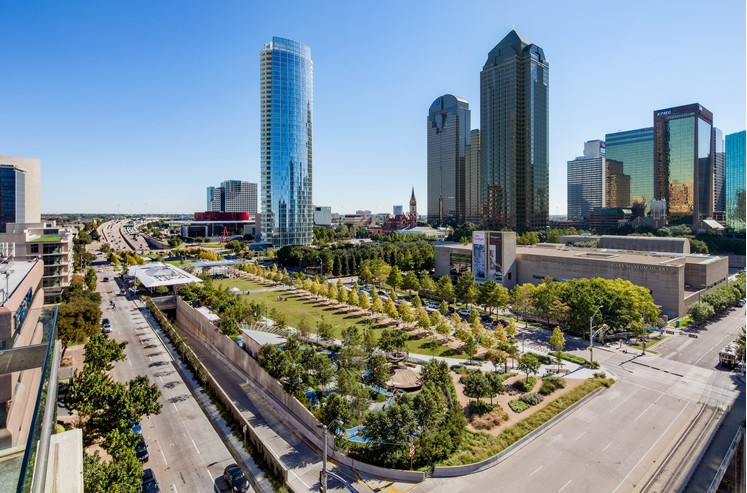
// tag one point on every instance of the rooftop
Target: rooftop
(47, 239)
(157, 274)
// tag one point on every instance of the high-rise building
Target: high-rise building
(19, 190)
(214, 199)
(448, 134)
(719, 175)
(586, 181)
(635, 150)
(514, 134)
(397, 210)
(683, 162)
(735, 180)
(239, 196)
(286, 111)
(617, 185)
(322, 216)
(472, 208)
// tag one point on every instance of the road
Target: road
(186, 453)
(615, 442)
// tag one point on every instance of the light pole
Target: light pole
(336, 422)
(591, 333)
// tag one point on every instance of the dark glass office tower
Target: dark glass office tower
(735, 180)
(683, 162)
(719, 174)
(448, 135)
(635, 150)
(514, 159)
(286, 110)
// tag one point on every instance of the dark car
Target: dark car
(235, 478)
(106, 279)
(486, 318)
(150, 485)
(141, 450)
(503, 322)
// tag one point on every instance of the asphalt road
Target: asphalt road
(186, 453)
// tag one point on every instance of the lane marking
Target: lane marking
(623, 401)
(651, 447)
(164, 458)
(582, 434)
(193, 443)
(644, 412)
(606, 446)
(536, 471)
(561, 489)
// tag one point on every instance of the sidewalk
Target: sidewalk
(260, 482)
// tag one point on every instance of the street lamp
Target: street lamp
(591, 334)
(336, 422)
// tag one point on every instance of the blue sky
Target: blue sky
(138, 106)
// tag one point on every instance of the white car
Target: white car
(464, 313)
(106, 326)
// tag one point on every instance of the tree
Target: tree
(443, 308)
(424, 320)
(101, 352)
(476, 385)
(391, 309)
(353, 298)
(495, 385)
(304, 327)
(271, 359)
(557, 340)
(700, 311)
(364, 302)
(377, 370)
(77, 320)
(470, 348)
(529, 364)
(443, 328)
(342, 295)
(377, 305)
(492, 295)
(497, 357)
(324, 330)
(406, 312)
(335, 408)
(522, 299)
(466, 288)
(90, 279)
(446, 289)
(411, 282)
(395, 278)
(416, 302)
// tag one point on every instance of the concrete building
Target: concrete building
(448, 132)
(635, 150)
(676, 280)
(50, 243)
(233, 196)
(587, 182)
(633, 243)
(322, 216)
(683, 162)
(20, 189)
(472, 208)
(286, 116)
(514, 136)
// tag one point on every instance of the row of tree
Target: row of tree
(717, 300)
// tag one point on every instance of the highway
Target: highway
(186, 453)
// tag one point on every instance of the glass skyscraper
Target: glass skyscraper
(719, 174)
(683, 162)
(472, 178)
(514, 134)
(448, 135)
(286, 111)
(735, 181)
(635, 150)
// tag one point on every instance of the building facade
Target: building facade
(448, 132)
(514, 134)
(719, 175)
(617, 188)
(397, 210)
(683, 162)
(735, 181)
(20, 190)
(233, 196)
(587, 182)
(286, 112)
(635, 150)
(214, 199)
(472, 209)
(323, 216)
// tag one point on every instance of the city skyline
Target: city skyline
(96, 104)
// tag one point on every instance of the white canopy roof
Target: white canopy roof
(157, 274)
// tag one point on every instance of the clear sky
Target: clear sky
(139, 105)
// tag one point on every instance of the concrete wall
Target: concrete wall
(707, 273)
(300, 418)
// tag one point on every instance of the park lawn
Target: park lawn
(315, 311)
(242, 283)
(476, 447)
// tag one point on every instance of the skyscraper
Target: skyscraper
(514, 159)
(735, 180)
(586, 181)
(286, 110)
(239, 196)
(472, 208)
(683, 161)
(19, 191)
(214, 199)
(448, 134)
(635, 150)
(617, 185)
(719, 174)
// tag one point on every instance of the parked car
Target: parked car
(465, 313)
(106, 279)
(503, 322)
(106, 326)
(141, 450)
(136, 427)
(150, 485)
(486, 318)
(235, 478)
(740, 303)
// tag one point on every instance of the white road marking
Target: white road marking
(164, 458)
(536, 471)
(606, 446)
(174, 487)
(193, 443)
(651, 447)
(582, 434)
(569, 482)
(644, 412)
(623, 401)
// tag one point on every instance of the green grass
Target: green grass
(476, 447)
(244, 284)
(295, 309)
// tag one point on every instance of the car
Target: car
(432, 304)
(141, 450)
(235, 478)
(150, 485)
(486, 318)
(465, 313)
(106, 279)
(106, 326)
(503, 322)
(740, 303)
(136, 428)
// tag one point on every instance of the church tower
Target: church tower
(413, 207)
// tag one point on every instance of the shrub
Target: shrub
(518, 406)
(593, 365)
(551, 384)
(478, 408)
(545, 359)
(525, 385)
(491, 420)
(531, 398)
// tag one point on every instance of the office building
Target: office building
(514, 136)
(683, 162)
(233, 196)
(20, 190)
(323, 216)
(617, 185)
(635, 150)
(448, 133)
(286, 112)
(719, 175)
(586, 181)
(214, 199)
(397, 210)
(735, 181)
(472, 208)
